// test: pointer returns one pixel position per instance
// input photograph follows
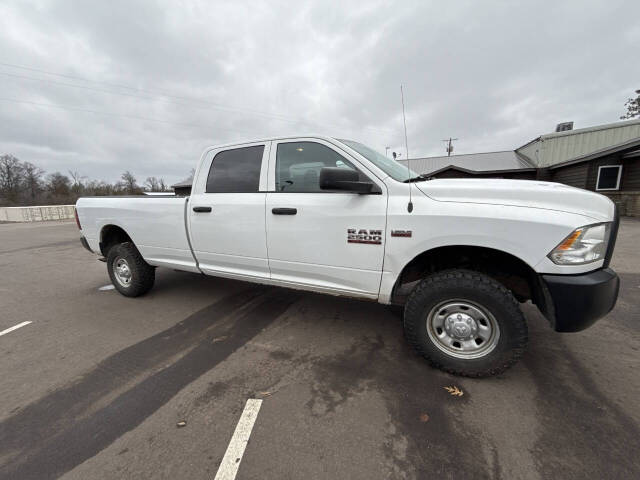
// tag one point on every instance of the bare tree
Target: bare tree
(23, 183)
(58, 184)
(11, 177)
(32, 180)
(77, 185)
(192, 174)
(76, 178)
(129, 183)
(152, 184)
(95, 187)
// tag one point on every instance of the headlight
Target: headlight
(584, 245)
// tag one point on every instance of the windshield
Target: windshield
(394, 169)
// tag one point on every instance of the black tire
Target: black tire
(479, 290)
(142, 275)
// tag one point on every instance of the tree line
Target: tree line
(23, 183)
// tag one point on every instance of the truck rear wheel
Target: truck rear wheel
(465, 323)
(129, 273)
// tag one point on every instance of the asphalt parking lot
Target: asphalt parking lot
(95, 386)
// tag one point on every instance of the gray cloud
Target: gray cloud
(494, 74)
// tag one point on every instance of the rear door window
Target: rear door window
(236, 171)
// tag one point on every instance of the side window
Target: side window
(298, 166)
(236, 171)
(609, 177)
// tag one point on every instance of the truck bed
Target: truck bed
(156, 224)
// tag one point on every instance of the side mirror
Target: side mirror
(345, 179)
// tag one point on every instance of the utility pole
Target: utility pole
(449, 145)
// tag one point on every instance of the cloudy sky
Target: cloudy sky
(100, 87)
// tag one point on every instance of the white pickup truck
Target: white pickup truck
(334, 216)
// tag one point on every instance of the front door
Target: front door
(326, 240)
(226, 212)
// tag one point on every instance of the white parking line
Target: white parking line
(231, 461)
(15, 327)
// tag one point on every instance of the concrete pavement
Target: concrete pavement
(95, 386)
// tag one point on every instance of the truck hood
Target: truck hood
(520, 193)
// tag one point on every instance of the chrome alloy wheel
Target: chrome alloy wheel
(122, 272)
(463, 329)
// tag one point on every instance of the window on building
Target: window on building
(609, 177)
(298, 166)
(236, 171)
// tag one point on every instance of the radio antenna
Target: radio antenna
(406, 145)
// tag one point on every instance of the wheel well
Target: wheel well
(507, 269)
(112, 235)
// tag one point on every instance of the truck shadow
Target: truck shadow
(575, 417)
(61, 430)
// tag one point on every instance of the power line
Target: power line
(162, 94)
(124, 115)
(72, 77)
(84, 87)
(102, 90)
(127, 87)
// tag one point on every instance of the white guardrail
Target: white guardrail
(36, 214)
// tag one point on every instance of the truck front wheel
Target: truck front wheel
(465, 323)
(129, 273)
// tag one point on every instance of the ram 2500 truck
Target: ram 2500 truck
(334, 216)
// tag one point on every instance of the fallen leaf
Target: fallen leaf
(265, 394)
(182, 424)
(219, 339)
(424, 417)
(455, 391)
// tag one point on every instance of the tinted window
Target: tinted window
(236, 171)
(608, 178)
(298, 166)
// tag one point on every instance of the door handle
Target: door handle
(202, 209)
(284, 211)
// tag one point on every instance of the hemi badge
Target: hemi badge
(401, 233)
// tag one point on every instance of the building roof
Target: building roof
(605, 126)
(482, 172)
(561, 147)
(478, 162)
(628, 148)
(183, 184)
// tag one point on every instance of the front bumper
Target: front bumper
(575, 302)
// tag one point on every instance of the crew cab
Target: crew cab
(334, 216)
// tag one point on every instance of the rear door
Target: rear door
(325, 240)
(226, 212)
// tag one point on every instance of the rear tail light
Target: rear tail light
(75, 212)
